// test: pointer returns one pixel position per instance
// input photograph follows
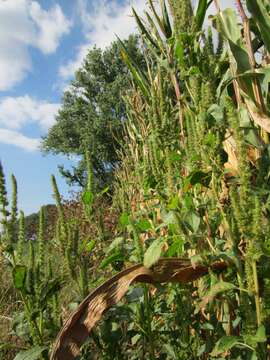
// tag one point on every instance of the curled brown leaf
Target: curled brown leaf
(78, 327)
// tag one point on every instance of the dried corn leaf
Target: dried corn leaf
(79, 325)
(231, 149)
(260, 118)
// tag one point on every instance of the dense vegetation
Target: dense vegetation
(192, 184)
(93, 111)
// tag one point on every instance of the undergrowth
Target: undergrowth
(193, 182)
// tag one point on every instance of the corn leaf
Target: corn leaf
(230, 29)
(166, 20)
(158, 19)
(262, 19)
(143, 28)
(201, 12)
(138, 76)
(78, 327)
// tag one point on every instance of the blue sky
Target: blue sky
(42, 43)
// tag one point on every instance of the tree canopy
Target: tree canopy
(93, 112)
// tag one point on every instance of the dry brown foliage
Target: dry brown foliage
(78, 327)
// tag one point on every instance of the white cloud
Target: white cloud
(16, 112)
(52, 26)
(106, 20)
(23, 23)
(11, 137)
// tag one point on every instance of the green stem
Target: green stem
(256, 293)
(148, 323)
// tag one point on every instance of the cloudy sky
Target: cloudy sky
(42, 43)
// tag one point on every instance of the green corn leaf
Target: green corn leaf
(231, 30)
(262, 19)
(136, 73)
(166, 20)
(201, 12)
(154, 29)
(153, 253)
(32, 354)
(143, 28)
(158, 19)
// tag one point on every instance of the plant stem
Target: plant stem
(256, 293)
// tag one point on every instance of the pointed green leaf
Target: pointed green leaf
(138, 78)
(143, 29)
(201, 12)
(259, 337)
(166, 20)
(158, 19)
(153, 253)
(262, 19)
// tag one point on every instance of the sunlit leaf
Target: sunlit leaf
(88, 197)
(19, 277)
(153, 253)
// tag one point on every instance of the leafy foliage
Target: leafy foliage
(93, 112)
(192, 181)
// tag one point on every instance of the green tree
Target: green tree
(93, 112)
